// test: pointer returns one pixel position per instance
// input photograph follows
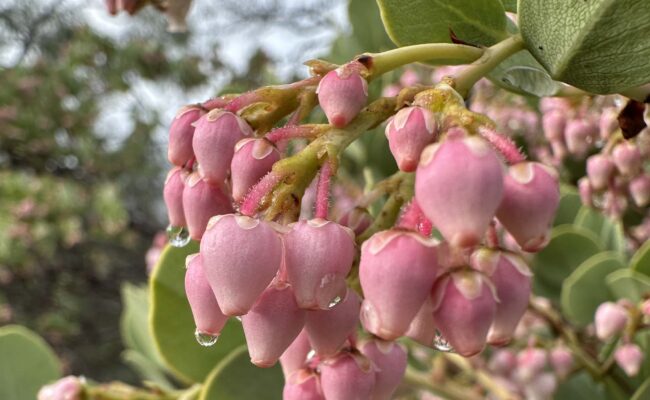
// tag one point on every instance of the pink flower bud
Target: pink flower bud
(640, 190)
(303, 384)
(318, 257)
(409, 78)
(391, 90)
(629, 358)
(465, 310)
(295, 356)
(579, 134)
(357, 218)
(201, 201)
(530, 362)
(553, 123)
(503, 362)
(214, 143)
(422, 328)
(206, 312)
(459, 185)
(173, 195)
(241, 255)
(181, 133)
(531, 196)
(610, 320)
(512, 281)
(272, 325)
(600, 170)
(390, 362)
(627, 158)
(408, 133)
(541, 387)
(585, 191)
(329, 329)
(397, 269)
(347, 377)
(608, 122)
(562, 361)
(342, 93)
(548, 104)
(253, 159)
(68, 388)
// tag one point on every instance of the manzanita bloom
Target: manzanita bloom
(465, 307)
(512, 281)
(579, 134)
(201, 201)
(561, 361)
(627, 158)
(173, 196)
(397, 269)
(629, 357)
(600, 169)
(241, 256)
(541, 387)
(422, 328)
(585, 191)
(318, 257)
(303, 384)
(640, 190)
(295, 356)
(272, 325)
(68, 388)
(610, 320)
(530, 362)
(503, 361)
(531, 196)
(389, 359)
(214, 142)
(253, 159)
(329, 329)
(342, 93)
(459, 185)
(348, 376)
(408, 133)
(181, 133)
(206, 312)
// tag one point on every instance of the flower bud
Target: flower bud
(422, 329)
(397, 269)
(541, 387)
(357, 218)
(253, 159)
(610, 320)
(600, 170)
(627, 158)
(214, 143)
(459, 185)
(531, 196)
(173, 195)
(181, 133)
(329, 329)
(608, 123)
(579, 135)
(318, 257)
(503, 362)
(553, 123)
(272, 325)
(562, 361)
(241, 256)
(464, 310)
(640, 190)
(206, 312)
(295, 356)
(68, 388)
(629, 358)
(201, 201)
(303, 384)
(585, 191)
(342, 93)
(530, 362)
(390, 363)
(408, 133)
(347, 377)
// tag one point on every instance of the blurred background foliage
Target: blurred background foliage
(84, 106)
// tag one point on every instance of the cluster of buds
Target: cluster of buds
(68, 388)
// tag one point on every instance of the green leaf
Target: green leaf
(641, 259)
(147, 369)
(172, 324)
(580, 387)
(585, 289)
(480, 22)
(366, 26)
(600, 46)
(236, 378)
(26, 363)
(134, 326)
(609, 231)
(569, 205)
(628, 284)
(568, 248)
(643, 392)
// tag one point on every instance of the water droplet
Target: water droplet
(310, 355)
(334, 302)
(205, 339)
(441, 344)
(178, 236)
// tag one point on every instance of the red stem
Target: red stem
(291, 132)
(323, 191)
(252, 200)
(504, 145)
(242, 101)
(492, 238)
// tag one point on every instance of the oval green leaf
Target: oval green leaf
(609, 231)
(27, 363)
(628, 284)
(236, 378)
(643, 392)
(569, 205)
(600, 46)
(479, 22)
(641, 259)
(585, 289)
(568, 248)
(172, 325)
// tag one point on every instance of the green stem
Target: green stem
(492, 57)
(483, 378)
(452, 54)
(448, 390)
